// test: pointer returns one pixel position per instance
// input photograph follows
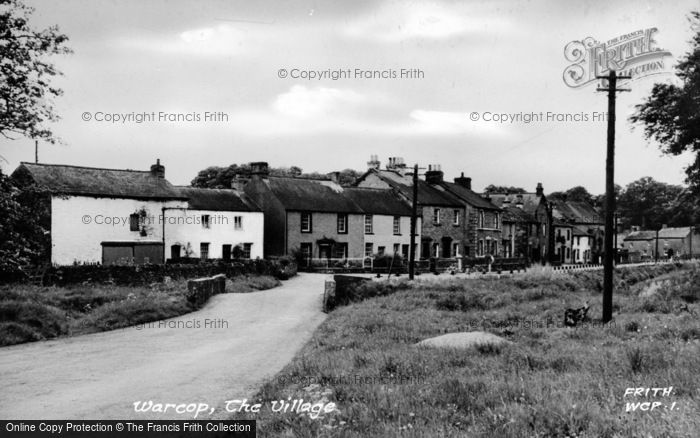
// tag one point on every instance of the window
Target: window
(340, 250)
(381, 250)
(397, 249)
(204, 250)
(496, 221)
(405, 250)
(558, 232)
(238, 222)
(306, 250)
(436, 216)
(246, 250)
(369, 249)
(481, 219)
(369, 224)
(455, 249)
(480, 248)
(134, 222)
(342, 223)
(456, 219)
(397, 225)
(436, 250)
(568, 234)
(205, 221)
(306, 225)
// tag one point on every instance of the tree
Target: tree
(491, 188)
(215, 177)
(24, 224)
(26, 92)
(650, 204)
(671, 114)
(575, 194)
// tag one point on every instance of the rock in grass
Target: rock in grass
(463, 340)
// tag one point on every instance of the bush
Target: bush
(31, 320)
(349, 289)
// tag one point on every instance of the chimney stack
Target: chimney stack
(539, 191)
(373, 163)
(396, 164)
(519, 201)
(335, 177)
(464, 181)
(434, 174)
(158, 170)
(259, 169)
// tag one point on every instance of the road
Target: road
(101, 376)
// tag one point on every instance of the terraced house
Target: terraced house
(443, 228)
(326, 223)
(482, 219)
(532, 220)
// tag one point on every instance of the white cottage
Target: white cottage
(218, 223)
(114, 216)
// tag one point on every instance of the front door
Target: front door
(226, 252)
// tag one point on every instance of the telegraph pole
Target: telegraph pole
(612, 89)
(414, 220)
(36, 151)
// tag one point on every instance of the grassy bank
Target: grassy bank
(550, 380)
(31, 313)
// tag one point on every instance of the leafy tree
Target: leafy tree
(575, 194)
(671, 114)
(24, 225)
(26, 92)
(649, 203)
(491, 188)
(216, 177)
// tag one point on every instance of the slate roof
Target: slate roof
(516, 215)
(469, 196)
(92, 181)
(530, 200)
(217, 199)
(674, 233)
(378, 201)
(582, 230)
(641, 235)
(301, 194)
(577, 212)
(427, 194)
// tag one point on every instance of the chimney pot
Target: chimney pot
(539, 190)
(464, 181)
(158, 170)
(434, 175)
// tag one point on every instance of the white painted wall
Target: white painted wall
(183, 227)
(583, 248)
(79, 224)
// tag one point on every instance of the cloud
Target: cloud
(220, 40)
(304, 111)
(401, 21)
(301, 102)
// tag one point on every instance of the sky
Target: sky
(235, 60)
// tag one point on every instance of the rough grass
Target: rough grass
(552, 381)
(31, 313)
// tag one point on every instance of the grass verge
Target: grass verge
(550, 380)
(31, 313)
